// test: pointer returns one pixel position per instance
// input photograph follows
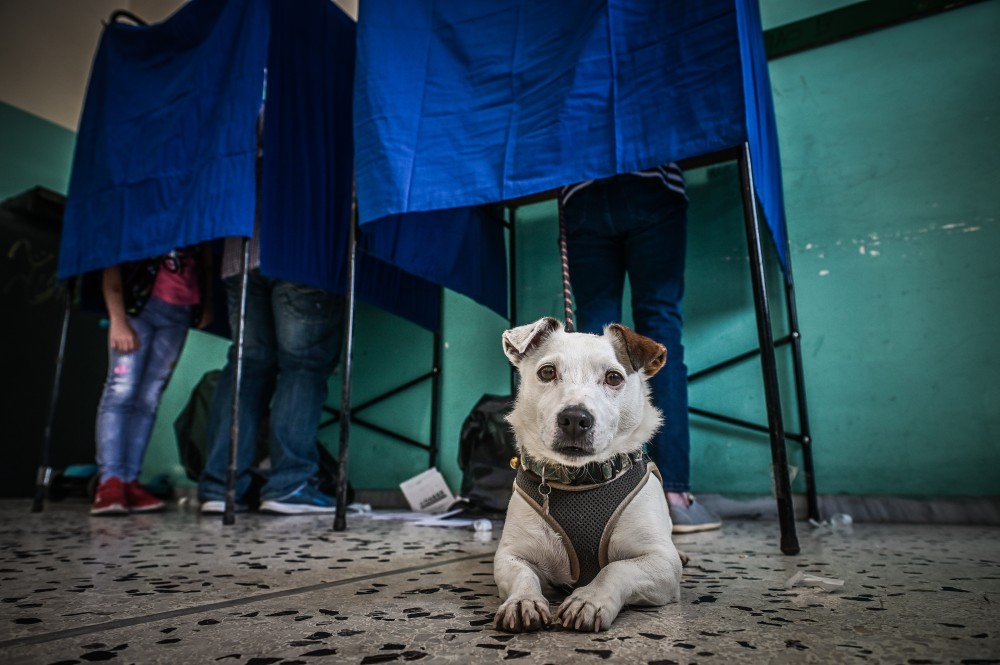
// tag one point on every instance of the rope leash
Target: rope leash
(564, 259)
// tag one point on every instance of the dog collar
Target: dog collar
(594, 473)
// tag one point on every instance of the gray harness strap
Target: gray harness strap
(584, 516)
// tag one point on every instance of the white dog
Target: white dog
(581, 418)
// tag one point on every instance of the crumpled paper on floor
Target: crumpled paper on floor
(803, 578)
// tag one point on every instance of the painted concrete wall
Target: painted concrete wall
(890, 147)
(891, 153)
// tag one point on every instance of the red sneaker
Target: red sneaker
(110, 498)
(139, 500)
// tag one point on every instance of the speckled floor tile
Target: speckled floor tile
(64, 568)
(280, 590)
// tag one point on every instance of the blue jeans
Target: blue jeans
(135, 383)
(291, 344)
(636, 226)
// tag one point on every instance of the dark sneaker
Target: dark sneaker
(139, 500)
(217, 507)
(307, 500)
(695, 517)
(110, 498)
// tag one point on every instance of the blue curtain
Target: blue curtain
(308, 164)
(762, 131)
(462, 249)
(459, 103)
(165, 150)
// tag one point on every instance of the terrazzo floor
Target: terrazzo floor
(180, 588)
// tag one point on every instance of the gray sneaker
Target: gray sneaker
(694, 517)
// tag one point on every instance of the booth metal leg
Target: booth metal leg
(44, 478)
(800, 394)
(779, 456)
(512, 281)
(340, 519)
(433, 375)
(229, 512)
(436, 386)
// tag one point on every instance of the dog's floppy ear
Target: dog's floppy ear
(637, 351)
(519, 342)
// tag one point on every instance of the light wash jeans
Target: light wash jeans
(135, 383)
(292, 342)
(635, 225)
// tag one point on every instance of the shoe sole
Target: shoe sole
(115, 509)
(695, 528)
(219, 507)
(148, 509)
(295, 509)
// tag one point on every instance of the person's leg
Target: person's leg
(308, 323)
(596, 259)
(656, 223)
(114, 415)
(259, 363)
(656, 246)
(117, 405)
(167, 329)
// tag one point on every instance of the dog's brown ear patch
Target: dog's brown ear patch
(638, 351)
(519, 342)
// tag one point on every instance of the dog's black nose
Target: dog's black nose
(574, 421)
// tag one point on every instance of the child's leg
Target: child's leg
(164, 334)
(114, 411)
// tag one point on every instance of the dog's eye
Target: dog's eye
(614, 378)
(547, 373)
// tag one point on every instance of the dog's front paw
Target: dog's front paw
(587, 610)
(518, 615)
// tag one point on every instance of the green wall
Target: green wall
(33, 152)
(891, 155)
(891, 149)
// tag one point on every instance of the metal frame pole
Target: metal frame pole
(512, 286)
(800, 392)
(340, 519)
(44, 478)
(779, 456)
(229, 512)
(436, 384)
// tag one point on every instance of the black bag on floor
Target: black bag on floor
(486, 447)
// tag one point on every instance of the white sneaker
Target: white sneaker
(219, 507)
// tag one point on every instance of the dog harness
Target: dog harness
(584, 515)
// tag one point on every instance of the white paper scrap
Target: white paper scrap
(427, 492)
(808, 579)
